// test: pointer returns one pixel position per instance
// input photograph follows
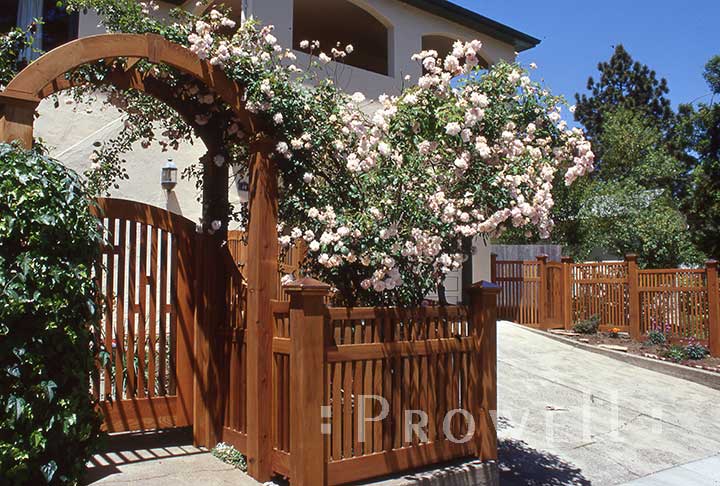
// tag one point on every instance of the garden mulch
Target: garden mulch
(644, 349)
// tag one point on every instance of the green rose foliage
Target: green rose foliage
(48, 241)
(12, 44)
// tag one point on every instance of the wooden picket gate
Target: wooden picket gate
(147, 277)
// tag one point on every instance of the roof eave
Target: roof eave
(472, 20)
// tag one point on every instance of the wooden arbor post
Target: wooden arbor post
(633, 294)
(711, 268)
(210, 306)
(17, 114)
(308, 452)
(262, 277)
(483, 315)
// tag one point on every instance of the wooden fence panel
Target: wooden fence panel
(422, 359)
(281, 378)
(290, 259)
(681, 303)
(234, 348)
(674, 302)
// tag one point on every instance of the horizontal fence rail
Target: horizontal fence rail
(680, 303)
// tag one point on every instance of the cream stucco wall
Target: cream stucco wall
(71, 132)
(406, 27)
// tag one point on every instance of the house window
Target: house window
(444, 46)
(58, 26)
(333, 21)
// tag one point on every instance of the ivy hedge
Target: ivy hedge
(48, 317)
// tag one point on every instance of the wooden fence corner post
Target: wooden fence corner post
(483, 315)
(308, 465)
(542, 292)
(567, 302)
(711, 268)
(633, 294)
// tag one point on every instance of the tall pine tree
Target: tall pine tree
(623, 83)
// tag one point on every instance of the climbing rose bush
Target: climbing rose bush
(383, 192)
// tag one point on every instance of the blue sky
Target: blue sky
(675, 38)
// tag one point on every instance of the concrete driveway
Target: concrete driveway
(569, 416)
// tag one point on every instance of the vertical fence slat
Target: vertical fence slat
(109, 305)
(120, 323)
(153, 288)
(163, 272)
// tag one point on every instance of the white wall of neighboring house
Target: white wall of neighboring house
(71, 131)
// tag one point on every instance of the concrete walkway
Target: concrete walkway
(160, 459)
(697, 473)
(568, 416)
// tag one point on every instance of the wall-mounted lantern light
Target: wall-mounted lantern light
(168, 176)
(242, 184)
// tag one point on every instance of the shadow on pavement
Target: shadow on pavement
(521, 465)
(130, 447)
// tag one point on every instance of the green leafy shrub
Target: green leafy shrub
(675, 353)
(229, 455)
(48, 241)
(695, 351)
(656, 337)
(588, 326)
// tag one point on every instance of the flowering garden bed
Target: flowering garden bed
(662, 352)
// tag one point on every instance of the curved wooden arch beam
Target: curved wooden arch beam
(24, 92)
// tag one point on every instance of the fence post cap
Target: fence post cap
(711, 264)
(542, 258)
(485, 287)
(631, 257)
(307, 285)
(566, 259)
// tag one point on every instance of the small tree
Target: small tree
(48, 243)
(629, 205)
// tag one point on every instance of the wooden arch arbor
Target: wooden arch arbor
(47, 75)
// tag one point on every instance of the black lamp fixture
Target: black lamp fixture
(168, 175)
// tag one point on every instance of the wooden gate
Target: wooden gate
(553, 311)
(146, 276)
